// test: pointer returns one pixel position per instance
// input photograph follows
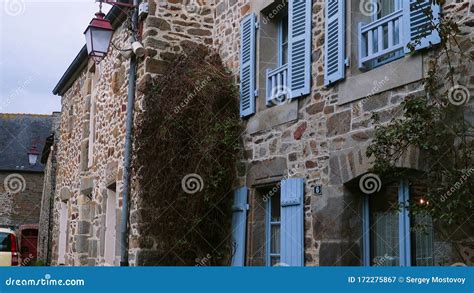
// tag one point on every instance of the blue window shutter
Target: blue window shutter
(247, 65)
(292, 222)
(299, 48)
(239, 226)
(334, 49)
(418, 26)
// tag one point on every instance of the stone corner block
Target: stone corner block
(111, 173)
(87, 184)
(64, 194)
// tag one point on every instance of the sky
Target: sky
(38, 41)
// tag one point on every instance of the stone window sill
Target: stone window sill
(389, 76)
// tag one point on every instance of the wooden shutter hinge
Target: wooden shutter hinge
(257, 25)
(347, 62)
(255, 93)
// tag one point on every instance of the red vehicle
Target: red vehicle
(28, 243)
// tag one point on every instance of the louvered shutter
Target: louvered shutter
(299, 51)
(334, 68)
(418, 25)
(239, 225)
(247, 65)
(292, 225)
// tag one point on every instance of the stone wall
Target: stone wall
(20, 198)
(325, 143)
(47, 200)
(172, 27)
(84, 176)
(92, 117)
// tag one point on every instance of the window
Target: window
(289, 77)
(377, 36)
(391, 236)
(63, 219)
(110, 227)
(277, 79)
(381, 40)
(6, 240)
(283, 41)
(273, 228)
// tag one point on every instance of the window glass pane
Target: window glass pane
(273, 226)
(284, 57)
(384, 227)
(284, 40)
(421, 229)
(275, 212)
(5, 242)
(285, 30)
(422, 240)
(385, 7)
(275, 239)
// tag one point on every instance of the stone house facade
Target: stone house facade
(319, 139)
(307, 130)
(48, 159)
(21, 183)
(90, 153)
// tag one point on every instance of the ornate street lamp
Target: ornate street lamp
(99, 32)
(98, 36)
(33, 154)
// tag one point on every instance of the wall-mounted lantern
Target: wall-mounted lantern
(99, 32)
(33, 155)
(98, 36)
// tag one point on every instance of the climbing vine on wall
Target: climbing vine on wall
(438, 124)
(187, 146)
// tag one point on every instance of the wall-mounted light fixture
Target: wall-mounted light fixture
(99, 32)
(33, 155)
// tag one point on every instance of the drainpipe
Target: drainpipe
(132, 76)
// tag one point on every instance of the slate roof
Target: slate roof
(18, 132)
